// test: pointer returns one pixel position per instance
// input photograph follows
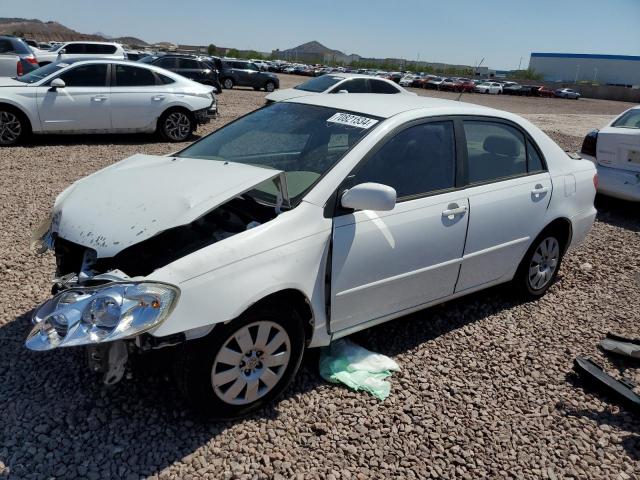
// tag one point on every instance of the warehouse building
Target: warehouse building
(621, 70)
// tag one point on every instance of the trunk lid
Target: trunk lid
(619, 148)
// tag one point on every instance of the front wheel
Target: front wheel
(176, 125)
(227, 83)
(540, 265)
(270, 86)
(245, 364)
(13, 127)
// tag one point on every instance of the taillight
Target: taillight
(590, 143)
(31, 59)
(595, 180)
(19, 69)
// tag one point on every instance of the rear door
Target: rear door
(137, 97)
(509, 192)
(189, 68)
(387, 262)
(84, 104)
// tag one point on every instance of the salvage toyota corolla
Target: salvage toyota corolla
(298, 224)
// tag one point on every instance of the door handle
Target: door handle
(453, 210)
(99, 98)
(539, 190)
(157, 98)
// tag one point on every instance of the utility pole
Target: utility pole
(520, 64)
(577, 73)
(595, 74)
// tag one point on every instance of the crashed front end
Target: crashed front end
(108, 239)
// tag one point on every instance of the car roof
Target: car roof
(385, 106)
(91, 42)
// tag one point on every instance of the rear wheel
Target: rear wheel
(245, 364)
(269, 86)
(176, 125)
(227, 83)
(540, 265)
(13, 126)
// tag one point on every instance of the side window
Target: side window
(418, 160)
(166, 63)
(106, 49)
(378, 86)
(86, 76)
(164, 79)
(356, 85)
(127, 76)
(187, 64)
(75, 48)
(534, 162)
(6, 46)
(495, 151)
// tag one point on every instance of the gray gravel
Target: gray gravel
(483, 391)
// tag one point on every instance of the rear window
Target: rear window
(319, 84)
(100, 49)
(630, 119)
(187, 63)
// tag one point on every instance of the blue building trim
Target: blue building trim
(632, 58)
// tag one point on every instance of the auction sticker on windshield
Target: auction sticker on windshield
(352, 120)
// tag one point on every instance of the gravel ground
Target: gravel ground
(484, 390)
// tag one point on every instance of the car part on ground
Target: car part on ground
(356, 367)
(594, 375)
(621, 345)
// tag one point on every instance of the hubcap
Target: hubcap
(251, 362)
(270, 87)
(177, 126)
(544, 263)
(228, 84)
(10, 128)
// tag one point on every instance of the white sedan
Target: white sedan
(102, 96)
(338, 83)
(299, 224)
(615, 150)
(489, 87)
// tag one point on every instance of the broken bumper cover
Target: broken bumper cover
(619, 183)
(204, 115)
(87, 316)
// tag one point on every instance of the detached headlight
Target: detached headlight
(102, 314)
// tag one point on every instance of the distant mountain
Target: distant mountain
(311, 48)
(314, 52)
(40, 31)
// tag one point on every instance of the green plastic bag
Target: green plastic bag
(345, 362)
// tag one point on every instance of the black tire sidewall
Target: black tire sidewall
(522, 275)
(231, 84)
(199, 355)
(24, 126)
(266, 86)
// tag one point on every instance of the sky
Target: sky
(456, 32)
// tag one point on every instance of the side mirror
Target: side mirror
(369, 196)
(56, 83)
(62, 51)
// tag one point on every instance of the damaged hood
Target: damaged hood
(144, 195)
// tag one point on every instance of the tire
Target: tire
(256, 88)
(176, 125)
(228, 83)
(540, 265)
(269, 86)
(217, 391)
(14, 126)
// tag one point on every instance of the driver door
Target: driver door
(386, 262)
(83, 104)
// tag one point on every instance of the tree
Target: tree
(212, 49)
(233, 53)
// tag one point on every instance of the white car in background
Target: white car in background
(567, 93)
(407, 80)
(615, 150)
(298, 224)
(77, 49)
(489, 87)
(102, 96)
(338, 83)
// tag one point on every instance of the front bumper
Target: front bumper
(205, 115)
(618, 183)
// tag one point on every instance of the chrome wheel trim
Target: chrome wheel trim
(544, 263)
(228, 84)
(251, 362)
(10, 128)
(177, 126)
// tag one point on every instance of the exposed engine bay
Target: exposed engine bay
(79, 263)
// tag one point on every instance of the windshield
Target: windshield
(304, 141)
(630, 119)
(42, 72)
(319, 84)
